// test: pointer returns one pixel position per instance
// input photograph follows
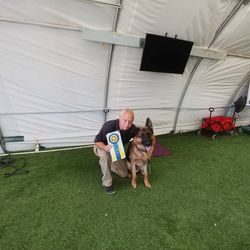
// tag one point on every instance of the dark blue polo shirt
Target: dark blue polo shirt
(111, 126)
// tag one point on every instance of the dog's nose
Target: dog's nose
(146, 143)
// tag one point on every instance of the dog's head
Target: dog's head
(146, 134)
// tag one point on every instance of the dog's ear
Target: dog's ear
(149, 123)
(135, 131)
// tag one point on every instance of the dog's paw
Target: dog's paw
(147, 184)
(133, 183)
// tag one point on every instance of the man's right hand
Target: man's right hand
(107, 148)
(137, 140)
(102, 146)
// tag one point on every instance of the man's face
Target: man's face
(126, 121)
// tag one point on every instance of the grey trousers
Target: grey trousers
(118, 167)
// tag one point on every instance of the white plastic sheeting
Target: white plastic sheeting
(54, 84)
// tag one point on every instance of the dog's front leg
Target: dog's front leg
(146, 181)
(133, 171)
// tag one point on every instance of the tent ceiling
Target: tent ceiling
(54, 85)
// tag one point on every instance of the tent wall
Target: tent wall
(54, 85)
(52, 82)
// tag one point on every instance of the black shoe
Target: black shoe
(110, 189)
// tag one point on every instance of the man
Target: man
(101, 148)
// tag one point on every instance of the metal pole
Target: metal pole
(110, 56)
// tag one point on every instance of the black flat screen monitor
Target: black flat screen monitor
(165, 54)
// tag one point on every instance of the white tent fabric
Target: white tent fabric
(54, 85)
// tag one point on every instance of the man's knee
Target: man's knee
(105, 161)
(101, 153)
(105, 158)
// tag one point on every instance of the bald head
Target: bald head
(126, 119)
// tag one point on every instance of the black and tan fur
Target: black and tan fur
(139, 152)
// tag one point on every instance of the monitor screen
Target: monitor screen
(165, 54)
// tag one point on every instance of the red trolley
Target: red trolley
(217, 124)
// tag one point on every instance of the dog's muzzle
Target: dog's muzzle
(147, 145)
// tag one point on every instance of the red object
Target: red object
(160, 150)
(218, 123)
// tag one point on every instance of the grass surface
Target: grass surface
(200, 199)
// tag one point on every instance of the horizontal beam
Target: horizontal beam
(106, 3)
(138, 42)
(208, 53)
(111, 37)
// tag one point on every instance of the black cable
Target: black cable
(8, 161)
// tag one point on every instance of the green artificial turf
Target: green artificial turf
(200, 199)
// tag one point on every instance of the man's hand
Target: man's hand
(107, 148)
(137, 140)
(104, 147)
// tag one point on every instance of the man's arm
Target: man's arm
(102, 146)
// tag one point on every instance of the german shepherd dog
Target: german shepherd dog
(139, 152)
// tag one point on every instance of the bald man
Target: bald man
(101, 148)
